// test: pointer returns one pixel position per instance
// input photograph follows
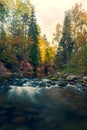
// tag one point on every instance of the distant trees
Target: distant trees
(65, 46)
(66, 42)
(79, 35)
(20, 37)
(47, 51)
(73, 41)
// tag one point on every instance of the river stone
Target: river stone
(19, 119)
(85, 78)
(72, 126)
(71, 77)
(4, 72)
(22, 128)
(2, 112)
(7, 127)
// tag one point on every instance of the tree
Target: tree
(33, 34)
(79, 24)
(3, 14)
(57, 34)
(79, 34)
(42, 47)
(66, 42)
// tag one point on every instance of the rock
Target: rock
(4, 72)
(19, 119)
(22, 128)
(25, 65)
(2, 67)
(85, 78)
(62, 83)
(40, 71)
(50, 70)
(85, 83)
(6, 127)
(72, 77)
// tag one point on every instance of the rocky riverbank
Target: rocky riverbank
(4, 72)
(69, 77)
(26, 70)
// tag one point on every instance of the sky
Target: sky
(51, 12)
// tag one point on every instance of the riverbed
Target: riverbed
(42, 104)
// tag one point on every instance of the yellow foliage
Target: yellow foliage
(13, 4)
(42, 47)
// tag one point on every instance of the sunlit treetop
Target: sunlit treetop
(14, 3)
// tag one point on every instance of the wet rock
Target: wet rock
(83, 80)
(4, 85)
(22, 128)
(3, 112)
(19, 119)
(62, 83)
(6, 127)
(72, 126)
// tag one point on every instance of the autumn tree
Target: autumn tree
(79, 33)
(79, 24)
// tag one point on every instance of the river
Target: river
(42, 104)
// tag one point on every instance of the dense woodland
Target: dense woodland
(21, 39)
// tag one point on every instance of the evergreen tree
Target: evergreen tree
(33, 34)
(3, 14)
(66, 42)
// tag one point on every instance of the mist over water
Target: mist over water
(26, 92)
(43, 104)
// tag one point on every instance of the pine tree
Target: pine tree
(33, 34)
(66, 42)
(3, 14)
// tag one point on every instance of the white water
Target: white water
(25, 92)
(31, 88)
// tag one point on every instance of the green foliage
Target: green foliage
(66, 42)
(72, 50)
(82, 60)
(33, 35)
(57, 34)
(9, 58)
(20, 38)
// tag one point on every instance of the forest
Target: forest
(21, 41)
(43, 85)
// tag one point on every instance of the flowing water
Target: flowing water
(42, 104)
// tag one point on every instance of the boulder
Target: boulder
(72, 77)
(4, 72)
(26, 66)
(85, 78)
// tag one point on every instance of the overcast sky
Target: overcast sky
(51, 12)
